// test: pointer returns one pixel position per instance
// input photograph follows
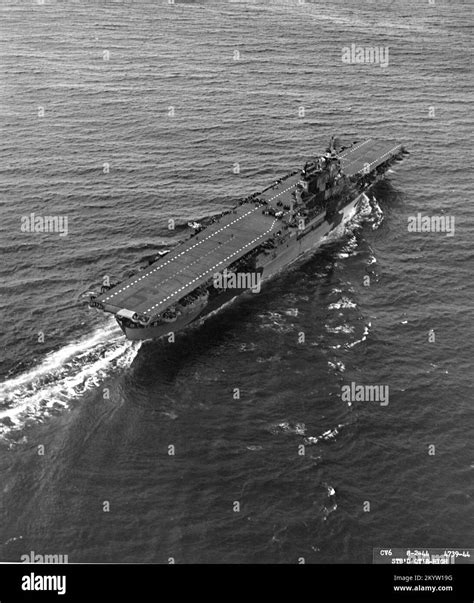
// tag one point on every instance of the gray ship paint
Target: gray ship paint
(267, 231)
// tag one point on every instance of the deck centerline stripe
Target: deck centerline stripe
(178, 255)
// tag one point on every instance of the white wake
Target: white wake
(62, 376)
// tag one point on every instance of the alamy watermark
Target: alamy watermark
(37, 224)
(33, 557)
(365, 393)
(35, 582)
(420, 223)
(238, 280)
(355, 54)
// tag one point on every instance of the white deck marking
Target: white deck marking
(211, 269)
(281, 192)
(346, 158)
(162, 265)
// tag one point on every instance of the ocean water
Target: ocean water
(122, 114)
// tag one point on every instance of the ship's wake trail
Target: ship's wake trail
(62, 376)
(369, 213)
(348, 327)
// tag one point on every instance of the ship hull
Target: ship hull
(281, 260)
(310, 242)
(258, 238)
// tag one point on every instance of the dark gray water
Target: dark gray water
(107, 410)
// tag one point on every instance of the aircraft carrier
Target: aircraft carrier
(234, 252)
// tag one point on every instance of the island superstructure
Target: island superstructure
(259, 237)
